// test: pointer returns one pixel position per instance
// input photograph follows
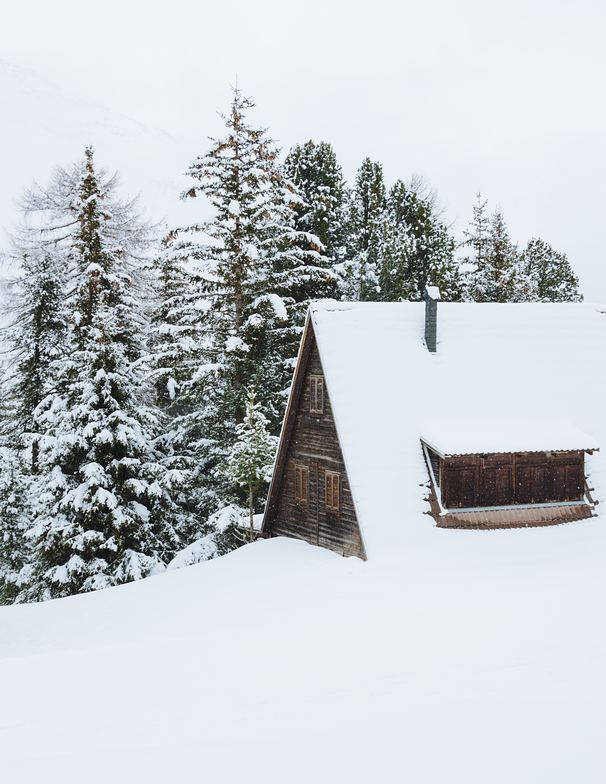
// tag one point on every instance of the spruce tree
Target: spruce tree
(314, 169)
(365, 230)
(548, 274)
(249, 462)
(104, 510)
(417, 248)
(476, 240)
(176, 324)
(38, 339)
(255, 274)
(14, 550)
(494, 262)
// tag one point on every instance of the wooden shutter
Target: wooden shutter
(332, 489)
(316, 394)
(301, 484)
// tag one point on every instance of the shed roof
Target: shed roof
(497, 363)
(472, 436)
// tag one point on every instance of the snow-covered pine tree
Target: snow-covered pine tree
(37, 334)
(476, 243)
(249, 462)
(176, 323)
(417, 248)
(365, 231)
(255, 271)
(494, 263)
(548, 274)
(314, 169)
(38, 338)
(14, 550)
(104, 511)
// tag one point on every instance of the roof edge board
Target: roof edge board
(335, 416)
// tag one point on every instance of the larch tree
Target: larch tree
(104, 510)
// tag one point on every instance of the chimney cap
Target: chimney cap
(432, 292)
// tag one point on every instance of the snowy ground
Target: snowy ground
(465, 657)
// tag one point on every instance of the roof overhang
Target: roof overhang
(453, 438)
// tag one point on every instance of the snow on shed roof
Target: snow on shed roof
(481, 436)
(495, 362)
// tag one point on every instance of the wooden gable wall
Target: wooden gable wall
(311, 440)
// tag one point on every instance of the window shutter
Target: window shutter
(301, 484)
(316, 394)
(332, 481)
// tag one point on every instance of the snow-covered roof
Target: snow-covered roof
(539, 366)
(467, 436)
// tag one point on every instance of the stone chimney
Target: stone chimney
(431, 297)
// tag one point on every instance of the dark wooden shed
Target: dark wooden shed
(508, 488)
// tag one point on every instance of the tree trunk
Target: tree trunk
(251, 512)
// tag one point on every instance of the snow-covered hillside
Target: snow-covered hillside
(465, 656)
(44, 125)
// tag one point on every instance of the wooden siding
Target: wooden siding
(510, 517)
(311, 439)
(506, 479)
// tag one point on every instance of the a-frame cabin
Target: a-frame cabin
(310, 495)
(480, 424)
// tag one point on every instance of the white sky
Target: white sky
(506, 98)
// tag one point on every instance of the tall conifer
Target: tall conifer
(493, 274)
(252, 270)
(365, 230)
(104, 512)
(418, 248)
(314, 169)
(548, 274)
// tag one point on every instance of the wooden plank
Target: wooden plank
(505, 479)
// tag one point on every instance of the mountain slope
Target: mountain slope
(44, 125)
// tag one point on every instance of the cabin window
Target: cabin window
(316, 394)
(333, 491)
(301, 484)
